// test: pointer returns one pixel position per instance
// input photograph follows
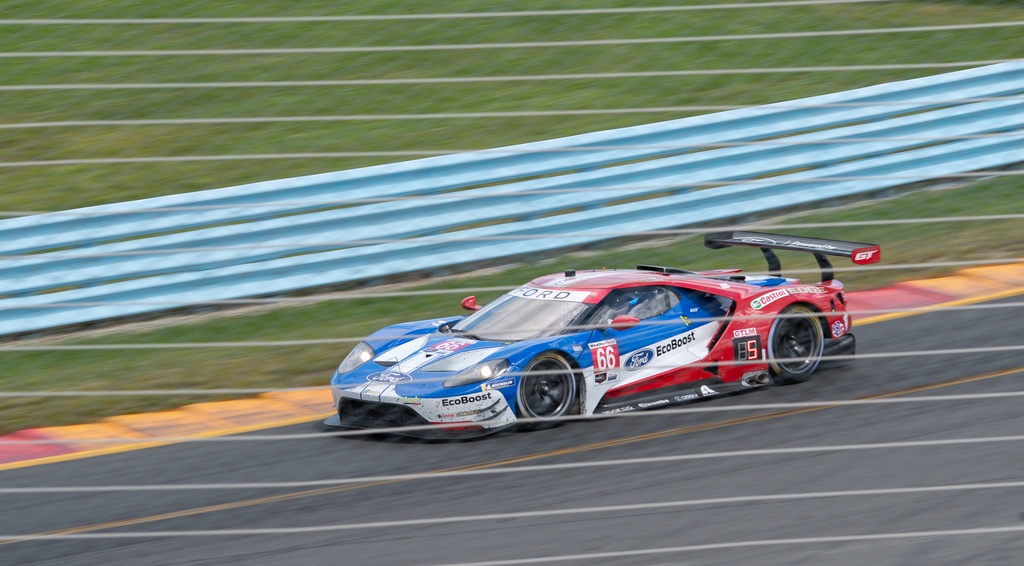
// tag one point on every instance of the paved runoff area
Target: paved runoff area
(282, 408)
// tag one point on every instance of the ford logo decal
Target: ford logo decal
(389, 377)
(639, 359)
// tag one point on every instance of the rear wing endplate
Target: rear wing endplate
(860, 253)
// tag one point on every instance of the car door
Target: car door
(675, 328)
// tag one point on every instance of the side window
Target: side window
(712, 305)
(639, 302)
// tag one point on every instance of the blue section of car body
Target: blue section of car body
(769, 282)
(391, 336)
(689, 310)
(429, 384)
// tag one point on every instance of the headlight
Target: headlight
(359, 355)
(480, 372)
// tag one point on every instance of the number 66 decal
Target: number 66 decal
(605, 354)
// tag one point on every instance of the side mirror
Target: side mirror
(469, 303)
(624, 322)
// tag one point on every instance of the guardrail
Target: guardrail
(281, 236)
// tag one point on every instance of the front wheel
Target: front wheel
(795, 344)
(547, 389)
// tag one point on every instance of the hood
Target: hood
(437, 354)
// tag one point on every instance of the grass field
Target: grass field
(44, 187)
(49, 187)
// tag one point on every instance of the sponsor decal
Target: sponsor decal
(604, 376)
(657, 403)
(389, 377)
(561, 282)
(411, 400)
(507, 382)
(577, 348)
(466, 399)
(550, 294)
(802, 289)
(867, 255)
(466, 413)
(758, 240)
(605, 354)
(686, 320)
(791, 243)
(375, 389)
(451, 345)
(838, 329)
(744, 332)
(809, 245)
(638, 359)
(686, 397)
(675, 343)
(619, 410)
(769, 298)
(705, 391)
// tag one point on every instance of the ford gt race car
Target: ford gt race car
(601, 342)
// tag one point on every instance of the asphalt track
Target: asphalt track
(861, 503)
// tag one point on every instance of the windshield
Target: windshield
(518, 318)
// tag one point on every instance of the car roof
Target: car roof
(600, 282)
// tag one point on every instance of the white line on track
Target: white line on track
(753, 543)
(540, 468)
(604, 509)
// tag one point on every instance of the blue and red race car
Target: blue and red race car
(601, 342)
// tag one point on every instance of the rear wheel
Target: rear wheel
(547, 389)
(795, 344)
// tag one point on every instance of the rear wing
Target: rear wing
(858, 252)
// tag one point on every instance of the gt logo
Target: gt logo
(866, 255)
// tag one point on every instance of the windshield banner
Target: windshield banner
(550, 294)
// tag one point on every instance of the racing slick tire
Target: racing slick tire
(547, 390)
(795, 344)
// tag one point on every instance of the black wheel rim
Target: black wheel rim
(547, 390)
(796, 344)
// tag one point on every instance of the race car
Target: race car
(600, 342)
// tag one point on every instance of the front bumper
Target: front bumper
(372, 406)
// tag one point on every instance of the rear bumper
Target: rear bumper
(845, 345)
